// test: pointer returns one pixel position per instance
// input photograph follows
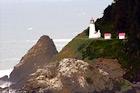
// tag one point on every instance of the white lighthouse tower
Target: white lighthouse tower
(92, 32)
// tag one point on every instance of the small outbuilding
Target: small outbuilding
(107, 36)
(121, 35)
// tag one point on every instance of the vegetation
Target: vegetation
(75, 48)
(89, 81)
(124, 85)
(121, 16)
(124, 16)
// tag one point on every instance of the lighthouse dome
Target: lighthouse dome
(92, 19)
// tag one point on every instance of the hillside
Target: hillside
(124, 16)
(121, 16)
(89, 49)
(86, 65)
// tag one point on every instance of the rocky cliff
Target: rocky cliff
(36, 57)
(77, 76)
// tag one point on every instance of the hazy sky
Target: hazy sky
(29, 19)
(22, 22)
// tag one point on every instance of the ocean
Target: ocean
(12, 51)
(23, 22)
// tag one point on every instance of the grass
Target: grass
(75, 48)
(83, 48)
(124, 85)
(104, 48)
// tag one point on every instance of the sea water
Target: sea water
(12, 51)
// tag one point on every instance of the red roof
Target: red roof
(92, 19)
(107, 34)
(96, 32)
(121, 34)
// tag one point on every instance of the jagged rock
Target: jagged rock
(4, 82)
(8, 90)
(4, 78)
(0, 89)
(36, 57)
(77, 76)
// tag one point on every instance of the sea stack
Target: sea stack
(36, 57)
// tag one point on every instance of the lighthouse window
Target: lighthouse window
(91, 22)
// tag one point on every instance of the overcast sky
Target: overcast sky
(49, 0)
(29, 19)
(23, 22)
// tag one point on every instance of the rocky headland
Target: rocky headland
(77, 76)
(86, 65)
(66, 72)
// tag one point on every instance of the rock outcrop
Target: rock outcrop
(4, 78)
(77, 76)
(37, 56)
(4, 82)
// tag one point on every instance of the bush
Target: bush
(89, 81)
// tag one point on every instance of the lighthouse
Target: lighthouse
(92, 32)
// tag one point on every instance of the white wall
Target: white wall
(92, 30)
(121, 37)
(107, 37)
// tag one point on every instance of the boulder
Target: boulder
(4, 78)
(77, 76)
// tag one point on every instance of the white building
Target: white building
(107, 36)
(92, 32)
(121, 35)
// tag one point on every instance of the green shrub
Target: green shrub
(89, 81)
(124, 85)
